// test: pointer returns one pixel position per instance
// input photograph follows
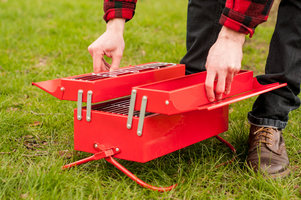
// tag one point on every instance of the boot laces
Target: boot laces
(262, 134)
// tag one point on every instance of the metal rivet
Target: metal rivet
(166, 102)
(117, 149)
(95, 145)
(128, 126)
(62, 88)
(139, 133)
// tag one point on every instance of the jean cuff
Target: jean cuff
(266, 122)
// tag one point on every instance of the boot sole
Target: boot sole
(280, 174)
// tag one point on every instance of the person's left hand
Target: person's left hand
(110, 44)
(223, 62)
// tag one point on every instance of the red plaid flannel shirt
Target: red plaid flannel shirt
(119, 9)
(240, 15)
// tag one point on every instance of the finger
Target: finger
(220, 86)
(209, 85)
(229, 80)
(116, 58)
(90, 49)
(107, 65)
(98, 63)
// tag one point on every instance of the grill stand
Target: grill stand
(107, 154)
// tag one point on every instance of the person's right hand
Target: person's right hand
(111, 44)
(223, 63)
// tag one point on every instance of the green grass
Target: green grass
(42, 40)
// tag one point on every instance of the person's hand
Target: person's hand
(223, 62)
(111, 44)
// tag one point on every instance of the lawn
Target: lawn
(43, 40)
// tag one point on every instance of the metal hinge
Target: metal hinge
(142, 115)
(131, 109)
(80, 105)
(89, 105)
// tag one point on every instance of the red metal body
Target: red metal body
(166, 111)
(162, 134)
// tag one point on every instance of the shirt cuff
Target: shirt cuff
(119, 9)
(124, 13)
(235, 25)
(241, 22)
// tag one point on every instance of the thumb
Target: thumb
(116, 58)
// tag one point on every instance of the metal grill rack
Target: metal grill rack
(120, 106)
(120, 72)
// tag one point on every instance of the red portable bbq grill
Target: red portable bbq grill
(166, 111)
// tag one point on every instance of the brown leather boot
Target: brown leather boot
(267, 152)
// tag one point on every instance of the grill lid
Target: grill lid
(110, 85)
(188, 93)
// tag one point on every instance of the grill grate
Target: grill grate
(120, 106)
(120, 72)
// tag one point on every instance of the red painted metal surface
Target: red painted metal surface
(107, 154)
(111, 86)
(178, 113)
(97, 156)
(226, 143)
(161, 134)
(256, 90)
(136, 179)
(188, 93)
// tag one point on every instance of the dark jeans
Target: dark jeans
(283, 64)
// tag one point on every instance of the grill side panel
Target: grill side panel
(161, 135)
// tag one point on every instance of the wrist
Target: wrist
(229, 34)
(116, 25)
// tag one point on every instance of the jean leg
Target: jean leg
(283, 65)
(202, 31)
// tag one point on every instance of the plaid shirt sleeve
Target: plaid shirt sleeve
(244, 15)
(119, 9)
